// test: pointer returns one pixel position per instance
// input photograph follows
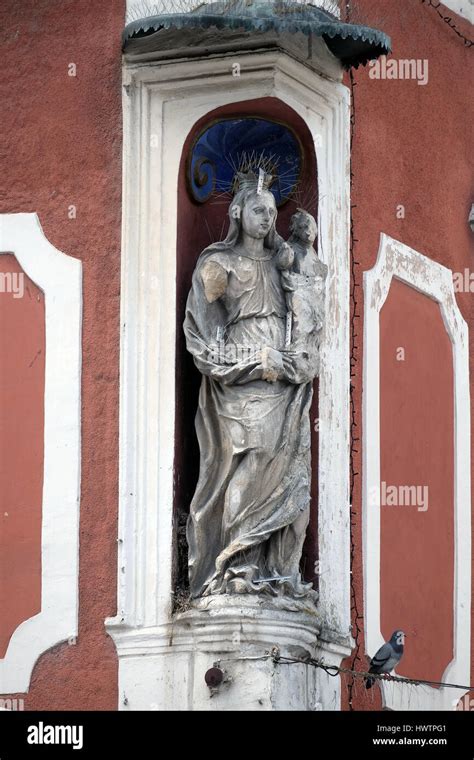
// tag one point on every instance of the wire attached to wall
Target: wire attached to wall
(335, 670)
(354, 439)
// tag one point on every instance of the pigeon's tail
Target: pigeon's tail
(369, 682)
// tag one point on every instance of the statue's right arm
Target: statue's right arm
(214, 279)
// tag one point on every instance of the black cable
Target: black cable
(377, 676)
(335, 670)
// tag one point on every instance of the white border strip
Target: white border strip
(464, 8)
(435, 281)
(60, 278)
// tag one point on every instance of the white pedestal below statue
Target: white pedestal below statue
(247, 644)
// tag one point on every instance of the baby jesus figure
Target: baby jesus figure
(303, 277)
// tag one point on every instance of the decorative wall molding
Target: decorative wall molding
(436, 281)
(59, 277)
(166, 101)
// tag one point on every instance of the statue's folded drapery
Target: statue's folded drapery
(250, 510)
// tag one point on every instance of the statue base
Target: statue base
(250, 640)
(225, 653)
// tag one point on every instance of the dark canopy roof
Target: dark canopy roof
(352, 44)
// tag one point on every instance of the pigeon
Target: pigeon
(388, 656)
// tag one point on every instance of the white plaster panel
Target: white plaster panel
(436, 281)
(60, 278)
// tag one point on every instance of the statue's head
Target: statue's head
(259, 214)
(254, 213)
(303, 227)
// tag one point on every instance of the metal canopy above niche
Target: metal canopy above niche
(250, 24)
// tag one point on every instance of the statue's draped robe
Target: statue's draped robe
(250, 511)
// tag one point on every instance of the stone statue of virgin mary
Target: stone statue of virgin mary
(250, 511)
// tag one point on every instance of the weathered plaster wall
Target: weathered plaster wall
(22, 385)
(417, 449)
(62, 138)
(412, 148)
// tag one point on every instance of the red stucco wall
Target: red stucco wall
(22, 351)
(417, 449)
(62, 139)
(412, 146)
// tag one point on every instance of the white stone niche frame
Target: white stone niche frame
(162, 103)
(60, 278)
(396, 260)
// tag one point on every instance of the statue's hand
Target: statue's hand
(272, 364)
(301, 365)
(289, 281)
(285, 257)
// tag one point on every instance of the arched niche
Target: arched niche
(199, 225)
